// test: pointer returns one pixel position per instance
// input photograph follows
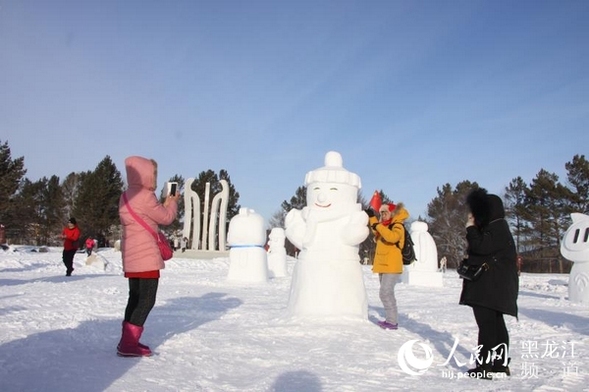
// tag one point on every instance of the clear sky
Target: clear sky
(413, 94)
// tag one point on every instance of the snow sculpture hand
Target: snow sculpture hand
(356, 230)
(295, 227)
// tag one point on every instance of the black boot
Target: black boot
(500, 367)
(482, 371)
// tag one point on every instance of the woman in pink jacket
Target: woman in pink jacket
(142, 261)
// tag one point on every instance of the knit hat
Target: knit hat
(333, 171)
(390, 207)
(72, 221)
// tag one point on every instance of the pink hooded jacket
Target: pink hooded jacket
(138, 246)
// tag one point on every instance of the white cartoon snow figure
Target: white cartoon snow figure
(424, 270)
(276, 253)
(327, 279)
(575, 247)
(247, 255)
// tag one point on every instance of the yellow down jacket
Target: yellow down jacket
(389, 241)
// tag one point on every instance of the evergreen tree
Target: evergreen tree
(515, 205)
(447, 215)
(546, 214)
(12, 172)
(578, 178)
(298, 201)
(51, 202)
(96, 205)
(26, 226)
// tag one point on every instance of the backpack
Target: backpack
(407, 251)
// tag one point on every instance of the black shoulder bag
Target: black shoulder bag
(471, 273)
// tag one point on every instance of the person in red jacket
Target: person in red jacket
(142, 260)
(89, 245)
(70, 236)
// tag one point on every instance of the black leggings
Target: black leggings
(68, 259)
(493, 335)
(142, 294)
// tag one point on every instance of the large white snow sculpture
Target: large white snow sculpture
(276, 253)
(210, 222)
(575, 247)
(247, 256)
(424, 270)
(327, 280)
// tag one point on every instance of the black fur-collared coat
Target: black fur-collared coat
(492, 242)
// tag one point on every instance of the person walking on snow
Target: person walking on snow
(70, 236)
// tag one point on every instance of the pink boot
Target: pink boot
(143, 346)
(129, 344)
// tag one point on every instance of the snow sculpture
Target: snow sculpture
(327, 280)
(247, 255)
(424, 270)
(218, 214)
(276, 253)
(575, 247)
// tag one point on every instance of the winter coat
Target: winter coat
(389, 242)
(139, 248)
(89, 243)
(498, 287)
(71, 236)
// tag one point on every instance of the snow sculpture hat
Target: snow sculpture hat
(333, 171)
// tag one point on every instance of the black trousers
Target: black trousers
(142, 293)
(68, 259)
(493, 335)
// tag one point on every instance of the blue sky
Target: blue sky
(413, 94)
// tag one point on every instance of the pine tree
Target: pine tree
(546, 215)
(96, 206)
(447, 215)
(12, 172)
(578, 178)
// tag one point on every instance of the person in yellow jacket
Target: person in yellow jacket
(389, 236)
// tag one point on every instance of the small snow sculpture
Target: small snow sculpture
(575, 247)
(423, 271)
(276, 253)
(327, 279)
(247, 256)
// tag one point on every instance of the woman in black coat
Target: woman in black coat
(495, 292)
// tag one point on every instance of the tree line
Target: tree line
(538, 212)
(35, 212)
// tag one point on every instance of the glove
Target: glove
(369, 212)
(374, 226)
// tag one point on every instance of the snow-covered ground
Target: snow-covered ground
(59, 333)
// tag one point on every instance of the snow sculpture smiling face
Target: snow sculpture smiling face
(329, 194)
(575, 243)
(332, 187)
